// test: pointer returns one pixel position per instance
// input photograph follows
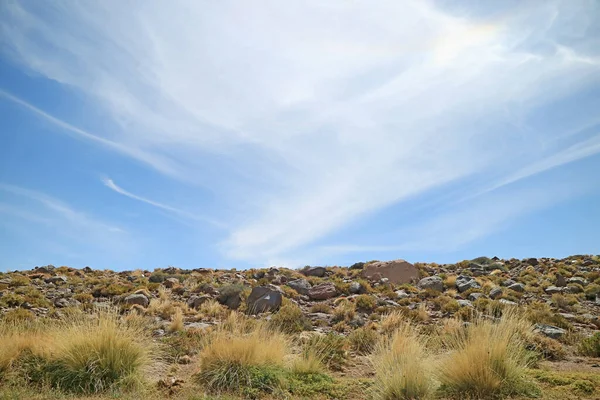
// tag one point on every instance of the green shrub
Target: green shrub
(290, 319)
(366, 302)
(590, 346)
(331, 349)
(363, 340)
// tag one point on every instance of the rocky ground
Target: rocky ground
(561, 297)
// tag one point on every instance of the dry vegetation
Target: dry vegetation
(190, 334)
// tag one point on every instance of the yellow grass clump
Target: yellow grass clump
(402, 366)
(249, 363)
(487, 359)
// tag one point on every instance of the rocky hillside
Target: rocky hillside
(560, 298)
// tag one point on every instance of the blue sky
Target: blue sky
(247, 134)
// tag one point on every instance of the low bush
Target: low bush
(290, 319)
(590, 346)
(330, 349)
(363, 340)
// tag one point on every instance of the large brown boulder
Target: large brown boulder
(397, 271)
(323, 291)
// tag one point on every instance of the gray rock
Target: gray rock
(196, 301)
(598, 299)
(431, 283)
(464, 303)
(61, 302)
(171, 282)
(139, 299)
(396, 272)
(319, 272)
(567, 316)
(263, 299)
(553, 289)
(507, 302)
(560, 280)
(495, 293)
(402, 294)
(301, 286)
(231, 296)
(552, 332)
(356, 288)
(508, 282)
(532, 261)
(517, 287)
(56, 279)
(464, 283)
(574, 289)
(323, 291)
(197, 325)
(578, 280)
(475, 296)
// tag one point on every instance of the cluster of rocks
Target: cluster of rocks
(391, 284)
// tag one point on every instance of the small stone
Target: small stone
(508, 282)
(61, 302)
(475, 296)
(196, 301)
(578, 280)
(495, 293)
(517, 287)
(464, 303)
(507, 302)
(185, 359)
(401, 294)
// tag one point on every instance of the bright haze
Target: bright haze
(141, 134)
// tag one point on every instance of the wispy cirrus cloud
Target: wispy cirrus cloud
(300, 128)
(181, 213)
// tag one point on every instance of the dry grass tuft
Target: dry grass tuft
(402, 366)
(232, 362)
(176, 321)
(487, 359)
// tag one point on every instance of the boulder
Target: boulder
(397, 271)
(532, 261)
(553, 289)
(495, 293)
(263, 299)
(552, 332)
(301, 286)
(356, 288)
(319, 272)
(138, 299)
(196, 301)
(231, 296)
(171, 282)
(578, 280)
(56, 279)
(431, 283)
(323, 291)
(560, 280)
(464, 283)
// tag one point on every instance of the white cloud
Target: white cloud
(187, 215)
(304, 116)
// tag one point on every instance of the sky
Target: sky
(232, 134)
